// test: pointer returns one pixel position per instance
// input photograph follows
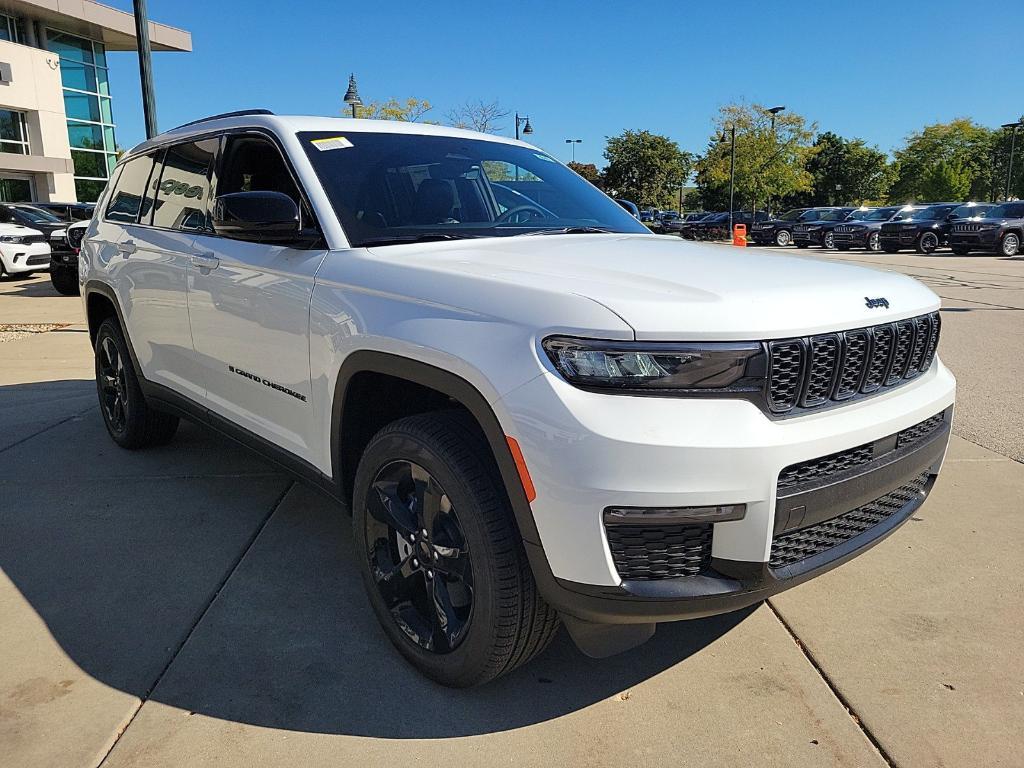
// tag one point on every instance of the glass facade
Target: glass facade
(83, 70)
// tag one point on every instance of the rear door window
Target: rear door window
(126, 201)
(183, 191)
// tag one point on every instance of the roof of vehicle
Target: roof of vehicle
(290, 124)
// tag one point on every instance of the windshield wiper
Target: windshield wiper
(424, 237)
(582, 230)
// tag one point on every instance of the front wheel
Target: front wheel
(440, 553)
(64, 280)
(873, 242)
(927, 242)
(1010, 244)
(130, 421)
(828, 240)
(783, 238)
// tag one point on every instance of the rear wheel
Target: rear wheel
(873, 242)
(828, 240)
(927, 242)
(440, 553)
(129, 419)
(1010, 244)
(783, 238)
(64, 280)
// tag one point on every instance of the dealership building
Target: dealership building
(57, 140)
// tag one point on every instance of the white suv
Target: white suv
(23, 250)
(535, 409)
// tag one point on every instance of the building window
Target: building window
(83, 71)
(11, 29)
(13, 132)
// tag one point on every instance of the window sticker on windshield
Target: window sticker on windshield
(332, 142)
(545, 158)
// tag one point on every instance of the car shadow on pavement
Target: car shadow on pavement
(25, 286)
(197, 576)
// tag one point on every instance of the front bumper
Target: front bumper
(589, 452)
(811, 237)
(851, 239)
(902, 238)
(763, 236)
(986, 240)
(26, 257)
(64, 260)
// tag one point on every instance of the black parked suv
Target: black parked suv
(716, 226)
(68, 211)
(815, 226)
(1000, 231)
(35, 218)
(928, 228)
(777, 231)
(863, 227)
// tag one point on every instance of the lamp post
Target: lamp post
(732, 171)
(774, 111)
(145, 68)
(1013, 141)
(574, 142)
(352, 95)
(526, 129)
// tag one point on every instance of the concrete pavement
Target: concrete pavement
(191, 605)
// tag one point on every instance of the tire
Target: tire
(130, 421)
(65, 282)
(842, 247)
(828, 241)
(1010, 244)
(802, 245)
(960, 250)
(927, 242)
(873, 242)
(783, 238)
(506, 623)
(890, 249)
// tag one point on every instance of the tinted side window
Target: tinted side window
(253, 164)
(183, 192)
(126, 200)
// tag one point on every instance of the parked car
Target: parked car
(64, 264)
(666, 221)
(928, 228)
(533, 417)
(689, 222)
(817, 230)
(35, 218)
(863, 231)
(778, 231)
(1001, 230)
(69, 211)
(646, 215)
(630, 206)
(22, 250)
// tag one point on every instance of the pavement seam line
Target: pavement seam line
(199, 620)
(46, 429)
(856, 718)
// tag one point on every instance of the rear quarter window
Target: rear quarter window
(126, 199)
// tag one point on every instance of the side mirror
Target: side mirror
(268, 217)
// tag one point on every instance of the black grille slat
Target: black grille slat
(785, 375)
(922, 332)
(881, 352)
(933, 342)
(648, 552)
(855, 353)
(822, 369)
(794, 546)
(826, 467)
(901, 354)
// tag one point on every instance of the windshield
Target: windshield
(879, 214)
(906, 213)
(1007, 211)
(38, 215)
(934, 212)
(394, 187)
(833, 215)
(791, 215)
(971, 211)
(860, 214)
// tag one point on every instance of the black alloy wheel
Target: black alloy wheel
(113, 388)
(64, 280)
(783, 238)
(418, 556)
(927, 242)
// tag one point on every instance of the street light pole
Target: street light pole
(146, 68)
(732, 175)
(1013, 142)
(352, 95)
(574, 142)
(774, 111)
(527, 128)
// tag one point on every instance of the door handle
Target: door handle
(205, 261)
(128, 247)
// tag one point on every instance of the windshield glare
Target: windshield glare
(834, 215)
(879, 214)
(37, 215)
(1007, 211)
(791, 215)
(397, 186)
(972, 211)
(934, 212)
(907, 213)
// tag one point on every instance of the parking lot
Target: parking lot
(192, 605)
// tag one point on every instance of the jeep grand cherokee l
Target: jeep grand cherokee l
(777, 231)
(928, 228)
(1001, 230)
(537, 414)
(815, 226)
(863, 231)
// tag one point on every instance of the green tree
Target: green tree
(411, 110)
(588, 171)
(771, 163)
(847, 171)
(961, 141)
(645, 168)
(945, 180)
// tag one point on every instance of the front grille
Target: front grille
(967, 227)
(847, 229)
(890, 229)
(792, 547)
(30, 239)
(647, 552)
(75, 236)
(38, 258)
(825, 467)
(812, 371)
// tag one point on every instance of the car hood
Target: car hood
(671, 289)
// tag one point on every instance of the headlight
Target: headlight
(11, 239)
(664, 367)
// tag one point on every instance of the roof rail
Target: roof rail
(238, 113)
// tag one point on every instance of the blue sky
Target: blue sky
(871, 69)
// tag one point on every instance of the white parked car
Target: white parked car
(22, 250)
(537, 411)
